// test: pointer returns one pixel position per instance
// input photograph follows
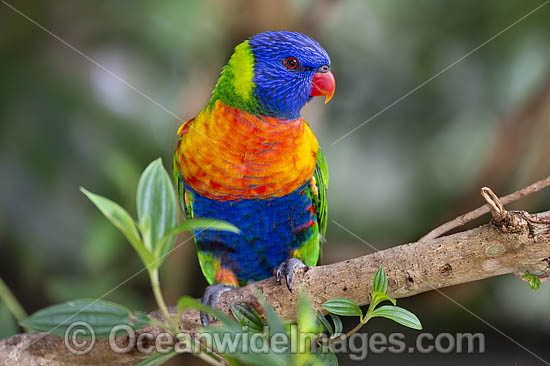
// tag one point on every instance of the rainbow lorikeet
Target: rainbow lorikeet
(249, 159)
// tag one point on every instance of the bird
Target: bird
(248, 158)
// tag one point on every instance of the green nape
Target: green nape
(235, 86)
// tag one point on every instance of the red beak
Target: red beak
(323, 83)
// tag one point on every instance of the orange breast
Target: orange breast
(227, 154)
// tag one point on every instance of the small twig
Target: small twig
(472, 215)
(497, 208)
(540, 220)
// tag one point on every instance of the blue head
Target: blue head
(275, 74)
(284, 67)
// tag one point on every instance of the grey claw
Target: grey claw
(279, 273)
(286, 269)
(211, 297)
(205, 320)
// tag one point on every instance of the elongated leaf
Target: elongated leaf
(157, 207)
(229, 341)
(399, 315)
(276, 326)
(8, 323)
(338, 327)
(248, 316)
(342, 306)
(193, 224)
(380, 281)
(198, 224)
(123, 221)
(378, 297)
(325, 323)
(325, 357)
(157, 359)
(307, 322)
(100, 315)
(275, 323)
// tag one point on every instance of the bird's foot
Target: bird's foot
(211, 297)
(286, 270)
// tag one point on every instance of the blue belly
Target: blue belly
(271, 229)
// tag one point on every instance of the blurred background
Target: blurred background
(65, 122)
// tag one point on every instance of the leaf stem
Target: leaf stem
(364, 319)
(155, 285)
(11, 302)
(342, 337)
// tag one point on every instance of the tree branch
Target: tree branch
(514, 242)
(478, 212)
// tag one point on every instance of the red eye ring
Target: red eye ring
(291, 63)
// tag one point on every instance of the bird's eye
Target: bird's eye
(324, 68)
(291, 63)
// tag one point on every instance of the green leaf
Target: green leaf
(325, 357)
(275, 323)
(100, 315)
(307, 322)
(380, 281)
(338, 327)
(325, 323)
(399, 315)
(157, 207)
(192, 224)
(8, 325)
(234, 338)
(533, 280)
(248, 316)
(157, 359)
(198, 224)
(276, 326)
(186, 302)
(378, 297)
(342, 306)
(123, 221)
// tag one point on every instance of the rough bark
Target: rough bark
(514, 242)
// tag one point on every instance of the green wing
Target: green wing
(309, 250)
(319, 196)
(186, 207)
